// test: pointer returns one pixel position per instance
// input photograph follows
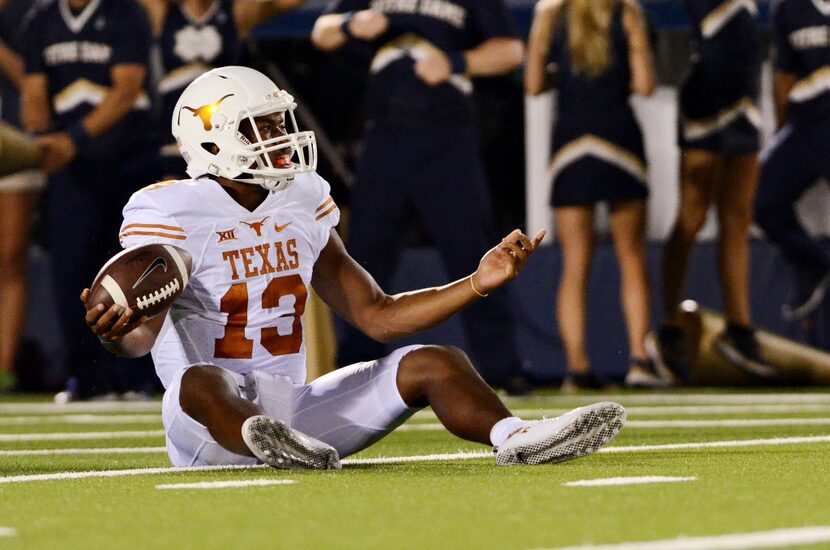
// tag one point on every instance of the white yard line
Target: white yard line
(654, 424)
(81, 407)
(423, 458)
(81, 419)
(679, 410)
(93, 451)
(777, 538)
(7, 532)
(672, 398)
(227, 484)
(638, 480)
(67, 436)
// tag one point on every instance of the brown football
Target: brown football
(146, 278)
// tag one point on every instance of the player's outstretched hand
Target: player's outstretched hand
(506, 260)
(109, 324)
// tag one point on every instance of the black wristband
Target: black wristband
(459, 63)
(344, 25)
(79, 135)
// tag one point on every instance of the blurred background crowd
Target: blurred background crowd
(676, 149)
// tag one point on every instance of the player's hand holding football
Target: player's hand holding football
(505, 261)
(109, 324)
(434, 69)
(368, 25)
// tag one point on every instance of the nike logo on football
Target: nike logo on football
(279, 228)
(158, 262)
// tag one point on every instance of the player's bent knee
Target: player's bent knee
(202, 384)
(438, 362)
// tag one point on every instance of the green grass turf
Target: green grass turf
(451, 504)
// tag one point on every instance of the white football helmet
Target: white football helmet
(209, 113)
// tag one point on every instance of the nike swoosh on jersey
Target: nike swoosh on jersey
(158, 262)
(279, 228)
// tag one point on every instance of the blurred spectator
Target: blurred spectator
(719, 140)
(798, 155)
(600, 54)
(18, 194)
(194, 36)
(421, 150)
(83, 89)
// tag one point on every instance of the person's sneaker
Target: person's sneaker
(279, 446)
(517, 386)
(71, 396)
(666, 348)
(809, 292)
(576, 382)
(575, 434)
(643, 374)
(739, 346)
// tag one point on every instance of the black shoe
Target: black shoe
(739, 346)
(667, 349)
(809, 291)
(517, 386)
(575, 382)
(643, 374)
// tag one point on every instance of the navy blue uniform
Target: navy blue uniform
(421, 156)
(76, 52)
(15, 18)
(190, 48)
(719, 96)
(800, 152)
(597, 144)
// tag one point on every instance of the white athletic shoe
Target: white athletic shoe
(578, 433)
(279, 446)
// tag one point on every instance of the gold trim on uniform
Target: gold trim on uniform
(416, 47)
(182, 76)
(84, 91)
(602, 149)
(701, 128)
(720, 16)
(812, 86)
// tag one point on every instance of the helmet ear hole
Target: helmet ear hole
(211, 148)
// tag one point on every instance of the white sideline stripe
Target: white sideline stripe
(421, 458)
(682, 410)
(81, 407)
(100, 451)
(227, 484)
(680, 398)
(80, 435)
(7, 532)
(81, 419)
(637, 480)
(738, 541)
(653, 424)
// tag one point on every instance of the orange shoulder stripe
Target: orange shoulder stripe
(331, 209)
(154, 226)
(330, 200)
(152, 234)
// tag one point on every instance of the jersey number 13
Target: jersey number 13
(235, 345)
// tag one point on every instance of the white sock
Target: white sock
(505, 427)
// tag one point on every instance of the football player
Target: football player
(259, 223)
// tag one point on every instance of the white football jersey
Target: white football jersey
(243, 307)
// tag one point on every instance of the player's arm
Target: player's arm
(11, 64)
(352, 292)
(120, 333)
(640, 59)
(332, 30)
(494, 57)
(537, 77)
(782, 85)
(156, 14)
(250, 13)
(35, 110)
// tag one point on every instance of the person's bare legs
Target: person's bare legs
(699, 177)
(16, 214)
(443, 378)
(211, 397)
(735, 202)
(575, 231)
(628, 227)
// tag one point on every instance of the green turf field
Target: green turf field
(752, 465)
